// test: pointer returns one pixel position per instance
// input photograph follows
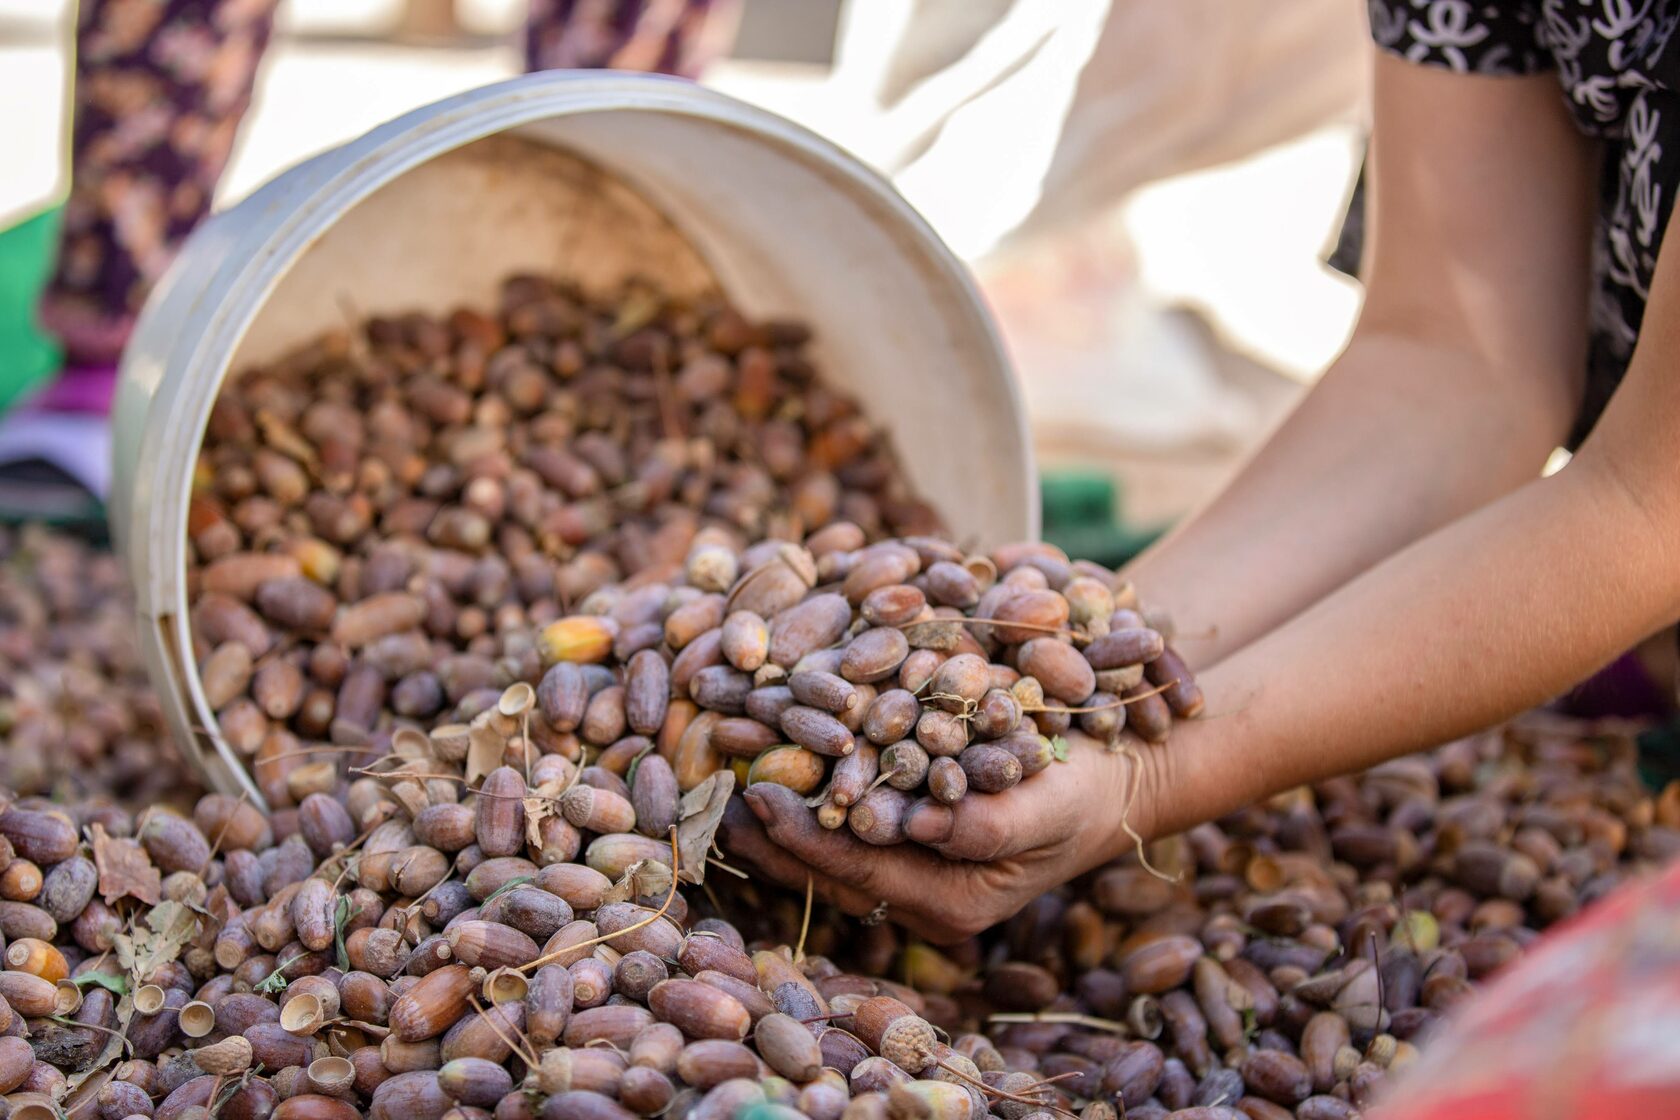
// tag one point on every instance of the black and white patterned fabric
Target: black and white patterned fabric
(1621, 79)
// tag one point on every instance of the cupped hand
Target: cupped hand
(980, 861)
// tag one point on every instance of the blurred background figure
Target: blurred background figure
(1146, 191)
(159, 90)
(1022, 129)
(678, 37)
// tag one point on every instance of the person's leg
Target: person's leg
(679, 37)
(160, 88)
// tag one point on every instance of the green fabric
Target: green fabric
(27, 357)
(1084, 517)
(1659, 755)
(1078, 498)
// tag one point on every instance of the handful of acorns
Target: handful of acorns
(864, 676)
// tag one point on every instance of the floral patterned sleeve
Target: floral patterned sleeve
(1470, 36)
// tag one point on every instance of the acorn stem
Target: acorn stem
(670, 897)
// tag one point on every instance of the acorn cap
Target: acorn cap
(197, 1019)
(331, 1075)
(69, 998)
(149, 999)
(302, 1014)
(505, 985)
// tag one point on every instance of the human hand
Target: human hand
(999, 851)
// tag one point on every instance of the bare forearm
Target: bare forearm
(1400, 438)
(1498, 612)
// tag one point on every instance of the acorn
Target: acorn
(929, 1100)
(581, 639)
(896, 1033)
(31, 996)
(490, 945)
(699, 1010)
(432, 1005)
(37, 958)
(16, 1060)
(710, 1062)
(617, 1024)
(788, 1046)
(475, 1081)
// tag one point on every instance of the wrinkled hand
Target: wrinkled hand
(998, 851)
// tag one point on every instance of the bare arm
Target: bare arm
(1461, 378)
(1501, 610)
(1491, 615)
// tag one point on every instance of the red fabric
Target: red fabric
(1585, 1027)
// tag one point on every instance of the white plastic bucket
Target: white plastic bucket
(594, 176)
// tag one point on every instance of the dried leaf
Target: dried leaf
(537, 808)
(169, 927)
(275, 982)
(820, 798)
(698, 816)
(544, 801)
(484, 752)
(115, 1042)
(63, 1090)
(646, 878)
(218, 910)
(280, 436)
(124, 868)
(640, 307)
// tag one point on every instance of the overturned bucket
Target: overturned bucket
(596, 177)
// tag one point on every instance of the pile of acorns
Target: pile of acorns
(78, 718)
(383, 520)
(408, 948)
(416, 962)
(1310, 946)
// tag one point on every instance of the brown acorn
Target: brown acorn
(432, 1005)
(699, 1010)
